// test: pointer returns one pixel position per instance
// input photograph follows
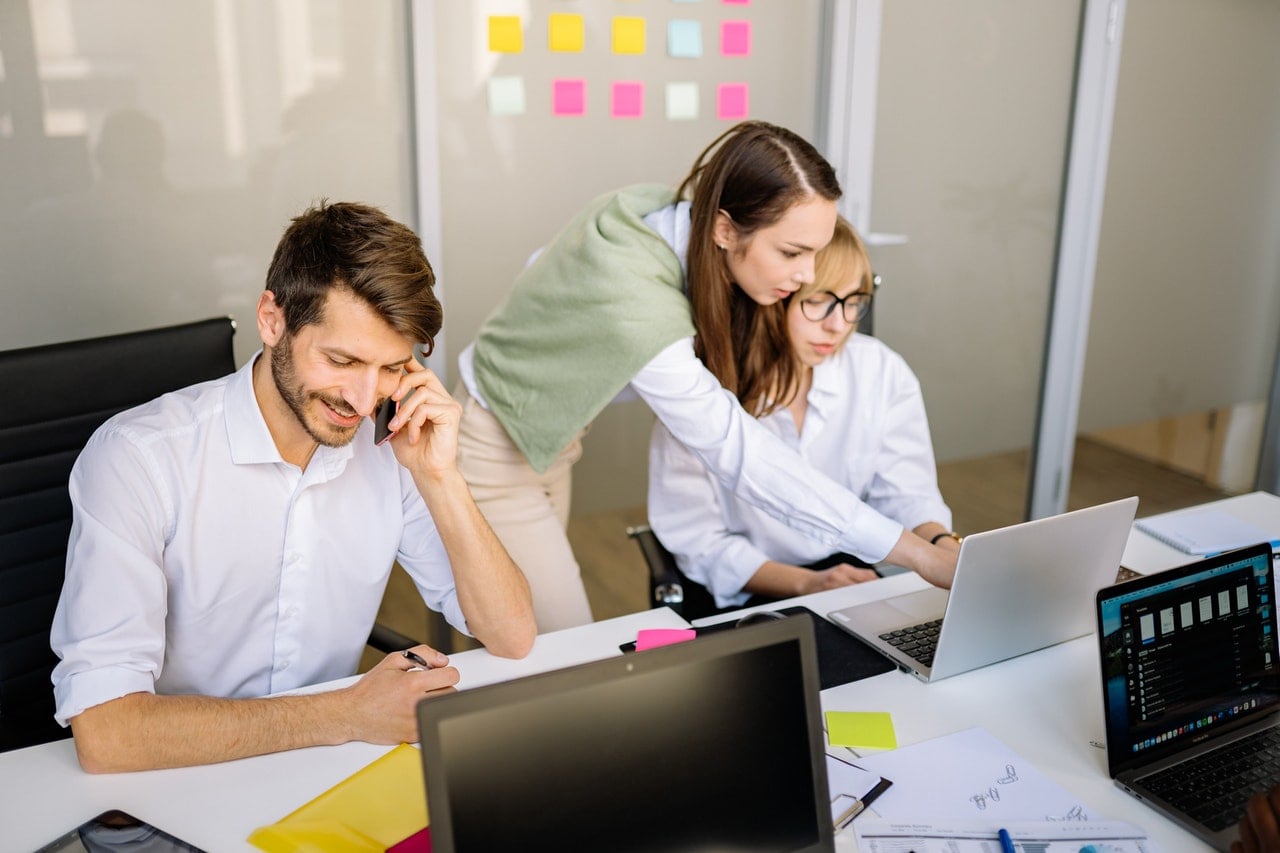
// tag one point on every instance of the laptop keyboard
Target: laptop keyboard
(1214, 787)
(918, 641)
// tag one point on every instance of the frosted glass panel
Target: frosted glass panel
(1187, 299)
(151, 152)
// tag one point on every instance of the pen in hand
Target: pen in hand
(417, 659)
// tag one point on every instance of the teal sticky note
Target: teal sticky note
(682, 101)
(506, 96)
(861, 729)
(684, 39)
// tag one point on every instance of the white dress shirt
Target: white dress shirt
(746, 459)
(200, 562)
(865, 427)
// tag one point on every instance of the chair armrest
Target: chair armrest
(666, 587)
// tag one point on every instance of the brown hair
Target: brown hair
(754, 172)
(361, 249)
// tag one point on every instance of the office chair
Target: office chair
(55, 397)
(668, 586)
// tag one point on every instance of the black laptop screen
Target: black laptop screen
(1187, 652)
(691, 748)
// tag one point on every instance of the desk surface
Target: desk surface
(1047, 706)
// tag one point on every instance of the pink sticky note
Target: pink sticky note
(568, 97)
(651, 638)
(731, 101)
(736, 2)
(735, 38)
(628, 100)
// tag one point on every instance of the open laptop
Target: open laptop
(1016, 589)
(711, 744)
(1191, 686)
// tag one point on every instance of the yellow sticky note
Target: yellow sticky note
(861, 729)
(505, 35)
(628, 35)
(566, 33)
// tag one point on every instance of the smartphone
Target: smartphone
(381, 419)
(117, 830)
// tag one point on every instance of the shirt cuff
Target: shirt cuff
(873, 536)
(83, 690)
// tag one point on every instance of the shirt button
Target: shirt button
(284, 665)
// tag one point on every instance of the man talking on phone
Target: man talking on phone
(233, 539)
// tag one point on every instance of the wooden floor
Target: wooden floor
(983, 493)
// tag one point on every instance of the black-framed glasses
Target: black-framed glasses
(854, 307)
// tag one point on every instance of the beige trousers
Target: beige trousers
(528, 511)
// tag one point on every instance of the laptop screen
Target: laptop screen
(1187, 652)
(710, 744)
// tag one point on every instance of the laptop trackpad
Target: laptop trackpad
(920, 606)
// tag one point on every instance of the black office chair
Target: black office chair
(668, 586)
(55, 397)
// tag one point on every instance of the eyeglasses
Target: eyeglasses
(854, 307)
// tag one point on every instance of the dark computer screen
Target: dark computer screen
(671, 749)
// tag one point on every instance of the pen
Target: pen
(1006, 843)
(1274, 543)
(416, 658)
(849, 814)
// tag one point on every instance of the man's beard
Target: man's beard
(296, 397)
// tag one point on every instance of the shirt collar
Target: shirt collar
(251, 441)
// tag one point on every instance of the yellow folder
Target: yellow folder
(379, 805)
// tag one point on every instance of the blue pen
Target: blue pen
(1006, 843)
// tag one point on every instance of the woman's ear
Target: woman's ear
(725, 232)
(271, 325)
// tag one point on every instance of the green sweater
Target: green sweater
(601, 300)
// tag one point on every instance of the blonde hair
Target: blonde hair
(840, 262)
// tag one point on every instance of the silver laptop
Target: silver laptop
(1016, 589)
(1191, 688)
(711, 744)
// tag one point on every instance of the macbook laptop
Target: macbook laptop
(711, 744)
(1016, 589)
(1191, 688)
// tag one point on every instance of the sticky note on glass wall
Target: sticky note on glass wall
(684, 39)
(736, 2)
(628, 35)
(682, 101)
(506, 96)
(568, 97)
(627, 99)
(735, 38)
(505, 35)
(731, 101)
(566, 34)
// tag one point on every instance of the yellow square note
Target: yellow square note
(505, 35)
(628, 35)
(861, 729)
(566, 33)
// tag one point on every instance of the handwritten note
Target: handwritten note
(969, 775)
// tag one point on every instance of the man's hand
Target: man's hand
(1260, 826)
(426, 423)
(382, 705)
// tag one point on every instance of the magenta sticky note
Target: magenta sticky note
(568, 97)
(731, 101)
(735, 38)
(651, 638)
(627, 100)
(736, 2)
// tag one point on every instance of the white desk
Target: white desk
(1047, 706)
(1145, 554)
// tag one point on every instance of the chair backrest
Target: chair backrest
(55, 397)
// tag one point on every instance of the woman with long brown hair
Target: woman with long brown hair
(676, 295)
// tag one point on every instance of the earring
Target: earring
(720, 246)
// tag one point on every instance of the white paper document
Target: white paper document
(884, 836)
(968, 775)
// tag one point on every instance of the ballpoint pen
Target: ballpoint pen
(1006, 843)
(416, 658)
(847, 816)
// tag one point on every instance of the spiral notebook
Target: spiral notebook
(1202, 531)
